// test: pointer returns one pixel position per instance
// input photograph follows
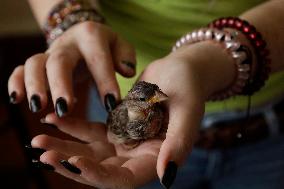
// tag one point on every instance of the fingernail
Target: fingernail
(35, 105)
(13, 97)
(39, 164)
(169, 175)
(70, 167)
(129, 64)
(36, 150)
(61, 107)
(42, 120)
(110, 102)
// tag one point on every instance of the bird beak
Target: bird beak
(158, 97)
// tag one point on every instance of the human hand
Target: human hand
(181, 75)
(103, 51)
(185, 108)
(98, 163)
(188, 76)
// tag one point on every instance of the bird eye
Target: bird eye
(142, 99)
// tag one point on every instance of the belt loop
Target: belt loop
(272, 121)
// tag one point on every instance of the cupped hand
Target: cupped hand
(98, 163)
(188, 76)
(103, 51)
(177, 77)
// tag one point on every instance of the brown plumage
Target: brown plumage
(138, 117)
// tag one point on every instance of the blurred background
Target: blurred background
(20, 38)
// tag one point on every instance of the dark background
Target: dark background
(20, 38)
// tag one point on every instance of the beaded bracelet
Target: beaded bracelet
(66, 14)
(69, 21)
(259, 45)
(239, 53)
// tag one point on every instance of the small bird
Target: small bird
(138, 117)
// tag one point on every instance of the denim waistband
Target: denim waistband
(268, 111)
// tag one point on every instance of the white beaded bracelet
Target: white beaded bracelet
(240, 53)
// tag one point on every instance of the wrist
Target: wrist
(66, 14)
(259, 72)
(42, 8)
(210, 65)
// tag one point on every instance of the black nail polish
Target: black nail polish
(70, 167)
(35, 104)
(129, 64)
(13, 97)
(35, 150)
(110, 102)
(39, 164)
(61, 107)
(169, 175)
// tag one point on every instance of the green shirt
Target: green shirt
(153, 26)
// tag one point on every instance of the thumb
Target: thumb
(184, 121)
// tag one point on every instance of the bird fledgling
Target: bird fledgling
(138, 117)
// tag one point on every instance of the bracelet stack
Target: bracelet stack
(67, 14)
(245, 82)
(260, 50)
(239, 53)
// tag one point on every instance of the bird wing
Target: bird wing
(117, 121)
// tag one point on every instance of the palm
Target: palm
(103, 164)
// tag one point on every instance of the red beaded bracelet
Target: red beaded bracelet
(259, 45)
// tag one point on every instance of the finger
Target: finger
(35, 82)
(184, 121)
(59, 69)
(54, 158)
(103, 175)
(16, 85)
(124, 57)
(96, 51)
(83, 130)
(66, 147)
(97, 150)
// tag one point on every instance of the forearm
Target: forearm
(268, 18)
(41, 8)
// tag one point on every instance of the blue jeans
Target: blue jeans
(254, 166)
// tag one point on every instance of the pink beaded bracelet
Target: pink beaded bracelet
(240, 53)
